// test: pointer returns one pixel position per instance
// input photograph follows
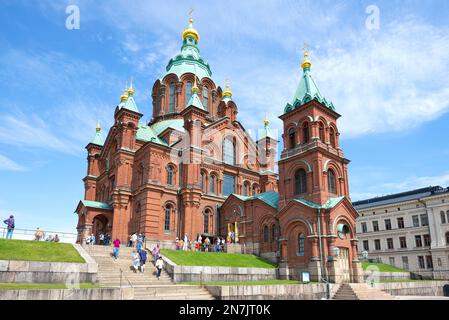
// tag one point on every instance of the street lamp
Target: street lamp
(336, 252)
(365, 255)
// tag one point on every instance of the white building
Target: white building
(409, 230)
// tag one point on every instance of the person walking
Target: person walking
(139, 244)
(9, 226)
(101, 239)
(143, 259)
(177, 243)
(159, 265)
(133, 240)
(206, 244)
(186, 242)
(116, 248)
(92, 239)
(156, 252)
(136, 261)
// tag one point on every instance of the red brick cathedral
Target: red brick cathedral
(194, 169)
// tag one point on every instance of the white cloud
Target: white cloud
(7, 164)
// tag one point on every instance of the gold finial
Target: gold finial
(124, 96)
(190, 31)
(195, 87)
(98, 128)
(227, 92)
(266, 122)
(131, 89)
(306, 64)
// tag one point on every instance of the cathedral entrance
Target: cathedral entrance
(100, 226)
(343, 261)
(233, 231)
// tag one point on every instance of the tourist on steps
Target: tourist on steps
(136, 261)
(92, 239)
(159, 265)
(143, 259)
(156, 252)
(139, 242)
(9, 226)
(115, 250)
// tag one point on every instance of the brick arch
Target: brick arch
(331, 164)
(301, 164)
(292, 222)
(209, 83)
(334, 223)
(169, 78)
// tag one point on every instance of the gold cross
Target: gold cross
(190, 13)
(306, 47)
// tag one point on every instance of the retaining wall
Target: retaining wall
(204, 274)
(309, 291)
(413, 288)
(69, 294)
(49, 272)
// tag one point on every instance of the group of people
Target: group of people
(103, 239)
(136, 241)
(208, 245)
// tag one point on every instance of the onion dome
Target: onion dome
(191, 31)
(227, 94)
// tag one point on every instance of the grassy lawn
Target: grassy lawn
(250, 283)
(214, 259)
(42, 286)
(38, 251)
(381, 266)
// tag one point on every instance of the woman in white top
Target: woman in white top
(136, 261)
(159, 265)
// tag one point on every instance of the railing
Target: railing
(28, 234)
(122, 275)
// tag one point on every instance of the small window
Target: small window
(332, 137)
(387, 224)
(427, 240)
(424, 220)
(206, 98)
(331, 184)
(415, 221)
(206, 221)
(390, 243)
(273, 233)
(443, 217)
(418, 241)
(429, 262)
(305, 133)
(170, 175)
(321, 133)
(300, 181)
(265, 234)
(301, 245)
(447, 238)
(421, 264)
(400, 223)
(377, 244)
(292, 138)
(188, 91)
(375, 225)
(364, 227)
(403, 242)
(212, 184)
(366, 245)
(405, 263)
(168, 210)
(171, 107)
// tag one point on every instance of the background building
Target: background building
(409, 230)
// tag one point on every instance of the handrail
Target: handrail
(122, 274)
(28, 234)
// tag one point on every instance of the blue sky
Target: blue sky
(389, 84)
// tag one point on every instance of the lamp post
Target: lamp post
(323, 274)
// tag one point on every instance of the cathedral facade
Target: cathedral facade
(194, 169)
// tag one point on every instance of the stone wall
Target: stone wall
(309, 291)
(69, 294)
(413, 288)
(204, 274)
(376, 275)
(49, 272)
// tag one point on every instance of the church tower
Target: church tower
(312, 165)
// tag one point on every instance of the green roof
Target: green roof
(160, 126)
(129, 104)
(332, 202)
(195, 101)
(271, 198)
(306, 91)
(98, 139)
(189, 60)
(266, 133)
(145, 133)
(96, 204)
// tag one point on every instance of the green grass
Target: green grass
(38, 251)
(214, 259)
(250, 283)
(382, 267)
(42, 286)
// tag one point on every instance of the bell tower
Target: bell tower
(312, 165)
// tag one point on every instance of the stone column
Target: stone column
(357, 271)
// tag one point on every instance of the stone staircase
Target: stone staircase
(116, 273)
(360, 291)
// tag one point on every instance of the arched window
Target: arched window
(443, 217)
(168, 210)
(212, 184)
(170, 175)
(321, 128)
(265, 234)
(273, 233)
(255, 189)
(300, 181)
(205, 98)
(246, 188)
(331, 182)
(305, 133)
(292, 138)
(171, 107)
(188, 91)
(301, 245)
(206, 221)
(332, 137)
(228, 151)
